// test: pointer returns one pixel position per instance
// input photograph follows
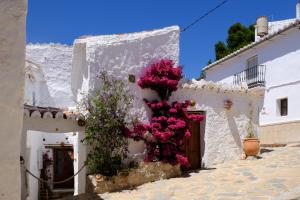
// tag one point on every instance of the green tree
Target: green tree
(238, 37)
(202, 75)
(221, 50)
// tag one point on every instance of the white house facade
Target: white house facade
(269, 66)
(57, 75)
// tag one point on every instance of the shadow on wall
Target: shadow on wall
(233, 126)
(44, 98)
(202, 139)
(79, 68)
(233, 129)
(36, 88)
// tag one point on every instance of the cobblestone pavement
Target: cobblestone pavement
(275, 176)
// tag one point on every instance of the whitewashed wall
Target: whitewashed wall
(35, 145)
(281, 55)
(274, 26)
(121, 55)
(12, 61)
(50, 66)
(224, 129)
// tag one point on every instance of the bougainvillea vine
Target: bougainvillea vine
(165, 133)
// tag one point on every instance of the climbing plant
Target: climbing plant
(106, 117)
(168, 127)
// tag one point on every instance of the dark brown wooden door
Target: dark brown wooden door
(63, 167)
(192, 146)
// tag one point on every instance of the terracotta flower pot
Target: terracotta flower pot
(251, 146)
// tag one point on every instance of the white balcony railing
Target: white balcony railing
(253, 77)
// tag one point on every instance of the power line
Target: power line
(205, 15)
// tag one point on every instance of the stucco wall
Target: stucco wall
(121, 55)
(275, 26)
(12, 61)
(54, 131)
(48, 80)
(281, 133)
(49, 67)
(224, 129)
(281, 55)
(36, 142)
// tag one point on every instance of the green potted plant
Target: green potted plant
(251, 143)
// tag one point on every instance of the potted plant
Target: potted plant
(251, 143)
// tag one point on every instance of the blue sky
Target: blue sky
(61, 21)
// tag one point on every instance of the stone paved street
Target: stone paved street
(275, 176)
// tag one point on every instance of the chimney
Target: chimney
(262, 26)
(298, 10)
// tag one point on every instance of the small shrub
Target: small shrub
(106, 117)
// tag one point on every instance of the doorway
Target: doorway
(63, 167)
(192, 146)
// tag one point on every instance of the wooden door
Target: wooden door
(192, 146)
(63, 167)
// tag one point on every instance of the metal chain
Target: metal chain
(55, 182)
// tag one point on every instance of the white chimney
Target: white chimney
(298, 10)
(262, 26)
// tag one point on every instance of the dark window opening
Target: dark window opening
(283, 107)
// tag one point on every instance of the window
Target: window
(283, 107)
(252, 62)
(251, 71)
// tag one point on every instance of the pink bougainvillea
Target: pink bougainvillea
(169, 124)
(162, 77)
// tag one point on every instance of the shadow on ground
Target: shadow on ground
(87, 196)
(264, 150)
(186, 174)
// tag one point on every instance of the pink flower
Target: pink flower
(159, 119)
(126, 132)
(176, 123)
(168, 126)
(187, 102)
(187, 133)
(182, 160)
(195, 117)
(161, 74)
(172, 111)
(140, 129)
(156, 125)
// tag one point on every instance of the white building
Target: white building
(129, 54)
(56, 75)
(50, 127)
(12, 60)
(271, 67)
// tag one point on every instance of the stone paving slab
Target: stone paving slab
(276, 175)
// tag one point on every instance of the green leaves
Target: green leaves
(107, 109)
(238, 37)
(221, 50)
